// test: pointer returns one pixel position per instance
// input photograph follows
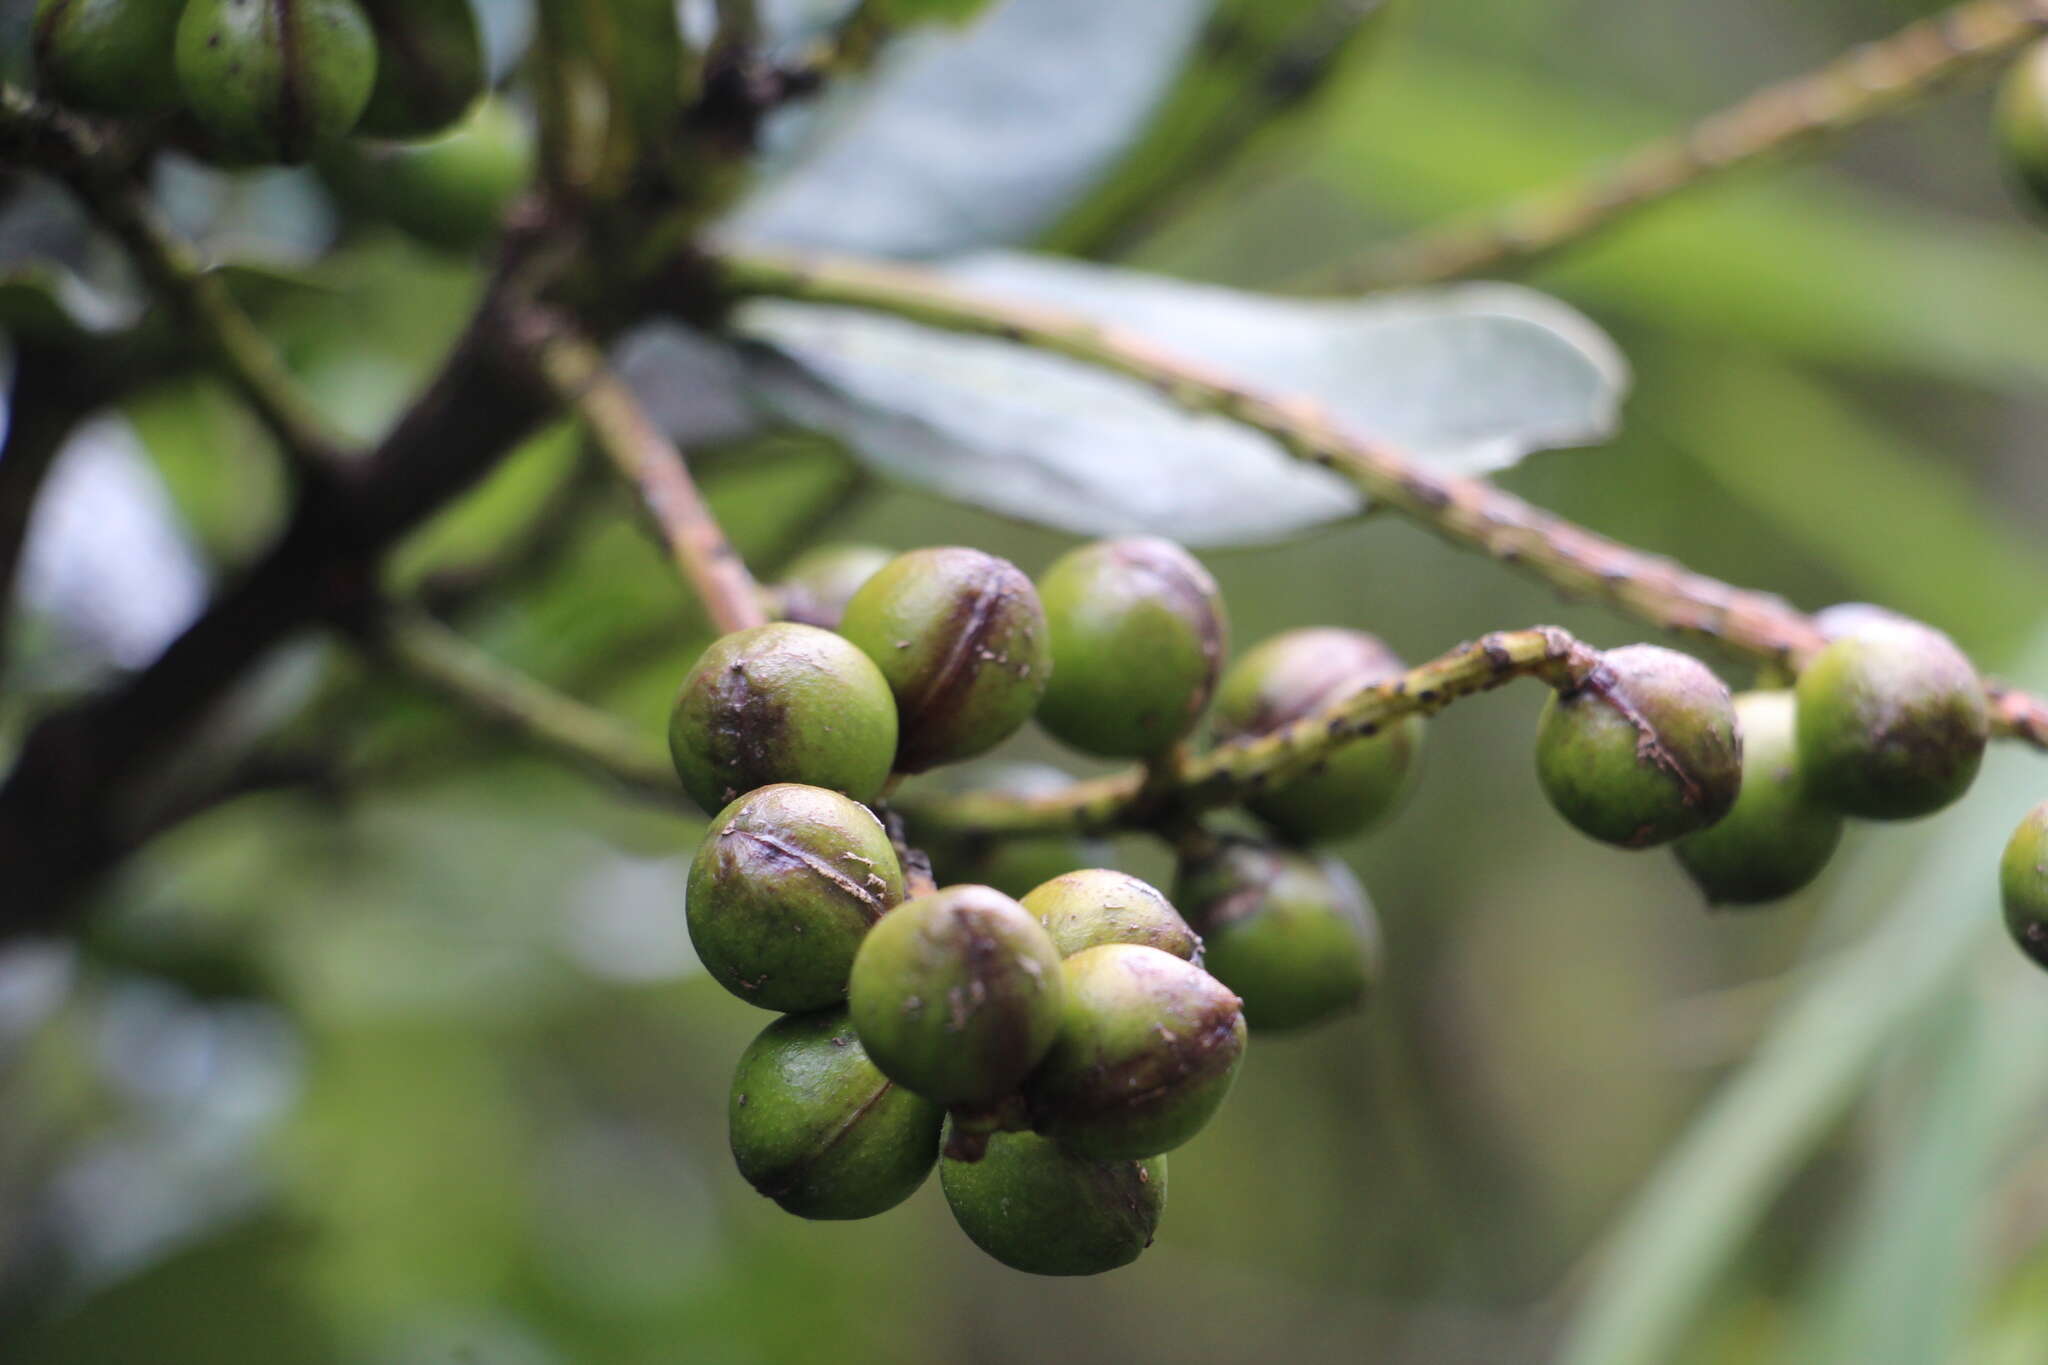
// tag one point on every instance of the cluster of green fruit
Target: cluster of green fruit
(388, 95)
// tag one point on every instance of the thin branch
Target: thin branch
(1465, 511)
(1869, 82)
(42, 412)
(38, 135)
(651, 463)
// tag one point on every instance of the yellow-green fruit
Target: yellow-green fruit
(2023, 885)
(1777, 838)
(2023, 124)
(430, 66)
(1291, 933)
(1138, 635)
(275, 80)
(1645, 750)
(1099, 905)
(108, 56)
(961, 638)
(957, 994)
(1147, 1049)
(816, 1128)
(782, 703)
(450, 192)
(1041, 1209)
(1892, 722)
(782, 891)
(1294, 675)
(822, 580)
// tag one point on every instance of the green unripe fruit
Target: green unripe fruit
(1292, 934)
(1300, 672)
(108, 56)
(961, 638)
(782, 891)
(1148, 1046)
(1138, 635)
(1099, 905)
(1777, 838)
(275, 80)
(957, 994)
(1846, 618)
(821, 581)
(449, 192)
(2023, 124)
(430, 66)
(1041, 1209)
(819, 1130)
(1645, 750)
(1013, 866)
(782, 703)
(1892, 722)
(2023, 885)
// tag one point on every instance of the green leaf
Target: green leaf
(1468, 379)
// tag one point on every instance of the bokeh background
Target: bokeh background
(419, 1068)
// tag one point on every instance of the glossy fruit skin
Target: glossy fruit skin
(1099, 905)
(275, 80)
(1615, 782)
(961, 637)
(1846, 618)
(957, 994)
(1778, 838)
(783, 889)
(1138, 636)
(2023, 885)
(1148, 1047)
(2022, 124)
(1294, 674)
(1041, 1209)
(449, 192)
(108, 56)
(822, 580)
(1291, 933)
(815, 1127)
(1892, 722)
(430, 66)
(782, 703)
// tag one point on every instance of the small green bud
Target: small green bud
(449, 192)
(2023, 885)
(108, 56)
(961, 638)
(1293, 934)
(822, 580)
(819, 1130)
(1041, 1209)
(1645, 750)
(275, 80)
(1777, 838)
(430, 66)
(782, 703)
(782, 891)
(1892, 722)
(1138, 635)
(1148, 1046)
(1099, 905)
(957, 994)
(2023, 124)
(1293, 675)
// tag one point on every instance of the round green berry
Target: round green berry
(1012, 865)
(450, 192)
(1892, 722)
(782, 703)
(1777, 838)
(1646, 749)
(1041, 1209)
(822, 580)
(2023, 885)
(819, 1130)
(1294, 675)
(1846, 618)
(957, 994)
(275, 80)
(782, 891)
(1138, 635)
(430, 66)
(961, 638)
(1099, 905)
(1148, 1046)
(2023, 124)
(108, 56)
